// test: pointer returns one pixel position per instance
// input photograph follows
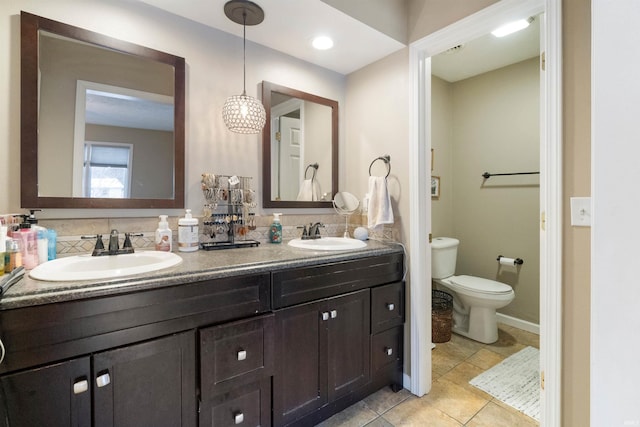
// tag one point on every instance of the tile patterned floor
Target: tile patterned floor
(452, 402)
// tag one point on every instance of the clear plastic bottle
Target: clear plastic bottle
(13, 256)
(275, 231)
(188, 233)
(42, 244)
(52, 238)
(163, 235)
(28, 245)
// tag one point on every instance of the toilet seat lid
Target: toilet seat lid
(478, 284)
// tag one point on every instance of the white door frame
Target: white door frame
(421, 51)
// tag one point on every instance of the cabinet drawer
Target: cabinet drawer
(386, 347)
(387, 306)
(249, 406)
(235, 353)
(306, 284)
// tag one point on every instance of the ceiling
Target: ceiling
(487, 53)
(289, 27)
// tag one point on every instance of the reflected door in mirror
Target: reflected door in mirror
(300, 140)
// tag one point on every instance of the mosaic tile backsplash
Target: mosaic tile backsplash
(70, 232)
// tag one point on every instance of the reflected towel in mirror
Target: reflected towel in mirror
(379, 208)
(309, 191)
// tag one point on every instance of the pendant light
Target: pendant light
(242, 113)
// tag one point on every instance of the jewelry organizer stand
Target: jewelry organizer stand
(228, 215)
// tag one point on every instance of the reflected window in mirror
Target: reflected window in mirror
(300, 148)
(82, 90)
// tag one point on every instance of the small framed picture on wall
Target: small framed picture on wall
(435, 187)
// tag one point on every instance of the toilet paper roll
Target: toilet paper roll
(507, 261)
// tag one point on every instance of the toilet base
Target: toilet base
(481, 324)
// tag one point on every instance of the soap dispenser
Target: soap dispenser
(163, 235)
(275, 231)
(188, 233)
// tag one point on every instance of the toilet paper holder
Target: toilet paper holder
(509, 261)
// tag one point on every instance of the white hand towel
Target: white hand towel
(379, 208)
(309, 191)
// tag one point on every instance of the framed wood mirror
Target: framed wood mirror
(102, 120)
(299, 149)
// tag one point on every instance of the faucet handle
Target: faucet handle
(127, 246)
(99, 247)
(305, 233)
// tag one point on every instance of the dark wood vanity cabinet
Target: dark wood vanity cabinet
(147, 384)
(236, 365)
(121, 360)
(323, 354)
(288, 347)
(338, 336)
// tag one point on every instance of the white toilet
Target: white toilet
(475, 300)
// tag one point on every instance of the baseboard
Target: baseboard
(518, 323)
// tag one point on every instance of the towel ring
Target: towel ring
(315, 169)
(386, 159)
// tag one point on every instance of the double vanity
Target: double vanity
(274, 335)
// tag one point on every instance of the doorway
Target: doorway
(550, 189)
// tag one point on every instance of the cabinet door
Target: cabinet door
(150, 384)
(348, 343)
(300, 381)
(57, 395)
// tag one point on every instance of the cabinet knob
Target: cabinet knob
(103, 380)
(325, 315)
(334, 314)
(242, 354)
(238, 418)
(388, 350)
(391, 306)
(80, 386)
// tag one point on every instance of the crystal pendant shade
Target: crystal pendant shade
(243, 114)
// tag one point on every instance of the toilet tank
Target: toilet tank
(444, 251)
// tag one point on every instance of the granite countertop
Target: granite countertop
(195, 266)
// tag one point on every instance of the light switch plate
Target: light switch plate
(581, 211)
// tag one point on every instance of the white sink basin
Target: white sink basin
(328, 244)
(87, 267)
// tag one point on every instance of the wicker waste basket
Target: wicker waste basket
(441, 316)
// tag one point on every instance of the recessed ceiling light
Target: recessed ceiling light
(512, 27)
(322, 43)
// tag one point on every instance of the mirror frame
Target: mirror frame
(29, 198)
(267, 88)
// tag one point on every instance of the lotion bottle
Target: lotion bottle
(188, 233)
(275, 231)
(163, 235)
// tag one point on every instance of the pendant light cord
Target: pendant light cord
(244, 52)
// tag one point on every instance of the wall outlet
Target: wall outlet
(581, 211)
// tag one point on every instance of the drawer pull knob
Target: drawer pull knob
(242, 354)
(238, 418)
(325, 316)
(103, 380)
(389, 351)
(80, 386)
(334, 314)
(391, 306)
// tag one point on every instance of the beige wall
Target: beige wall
(576, 295)
(442, 125)
(494, 122)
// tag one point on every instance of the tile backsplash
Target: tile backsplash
(70, 232)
